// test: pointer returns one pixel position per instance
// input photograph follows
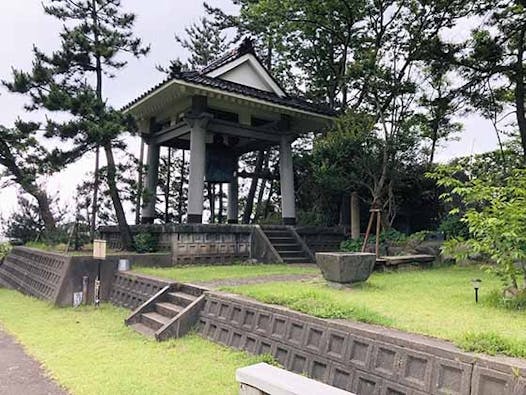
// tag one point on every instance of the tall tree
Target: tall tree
(204, 41)
(359, 55)
(493, 60)
(24, 159)
(95, 36)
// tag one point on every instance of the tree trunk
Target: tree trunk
(520, 92)
(45, 211)
(95, 203)
(247, 214)
(124, 229)
(212, 201)
(259, 205)
(269, 200)
(220, 204)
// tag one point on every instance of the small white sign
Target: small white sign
(99, 249)
(77, 299)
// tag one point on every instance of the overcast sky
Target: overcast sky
(23, 24)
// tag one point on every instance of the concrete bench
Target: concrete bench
(263, 379)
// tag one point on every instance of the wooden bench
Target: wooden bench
(263, 379)
(403, 261)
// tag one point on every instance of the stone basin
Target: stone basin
(346, 267)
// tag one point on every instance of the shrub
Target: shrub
(494, 214)
(453, 227)
(4, 250)
(391, 236)
(145, 242)
(351, 245)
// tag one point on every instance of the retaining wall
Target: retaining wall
(56, 277)
(360, 358)
(130, 290)
(197, 243)
(221, 244)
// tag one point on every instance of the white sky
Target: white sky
(23, 23)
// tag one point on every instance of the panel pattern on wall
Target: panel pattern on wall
(131, 291)
(359, 358)
(322, 239)
(34, 272)
(210, 247)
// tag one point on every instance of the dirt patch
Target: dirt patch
(232, 282)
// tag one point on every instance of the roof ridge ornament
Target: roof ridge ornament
(246, 46)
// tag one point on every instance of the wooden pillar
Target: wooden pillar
(355, 216)
(288, 198)
(152, 175)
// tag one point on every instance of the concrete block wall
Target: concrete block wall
(210, 247)
(195, 243)
(130, 291)
(34, 272)
(360, 358)
(56, 277)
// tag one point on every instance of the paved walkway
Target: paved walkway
(21, 374)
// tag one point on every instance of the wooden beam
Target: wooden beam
(171, 133)
(236, 129)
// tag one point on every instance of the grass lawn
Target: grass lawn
(211, 273)
(437, 302)
(90, 351)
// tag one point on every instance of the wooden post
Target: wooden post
(373, 211)
(355, 216)
(378, 228)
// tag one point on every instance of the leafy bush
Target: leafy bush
(494, 214)
(391, 236)
(452, 227)
(4, 250)
(352, 245)
(145, 242)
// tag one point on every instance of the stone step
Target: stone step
(292, 254)
(181, 298)
(278, 233)
(287, 246)
(282, 240)
(154, 320)
(302, 259)
(168, 309)
(190, 290)
(143, 329)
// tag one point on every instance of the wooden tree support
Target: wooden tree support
(378, 213)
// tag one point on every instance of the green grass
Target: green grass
(211, 273)
(90, 351)
(438, 302)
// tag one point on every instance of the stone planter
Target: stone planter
(346, 267)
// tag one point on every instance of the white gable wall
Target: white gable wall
(244, 74)
(246, 70)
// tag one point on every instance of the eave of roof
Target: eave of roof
(197, 78)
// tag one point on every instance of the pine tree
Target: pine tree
(205, 42)
(24, 159)
(95, 36)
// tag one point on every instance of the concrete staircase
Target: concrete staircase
(288, 244)
(171, 312)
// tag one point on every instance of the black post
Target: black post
(476, 295)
